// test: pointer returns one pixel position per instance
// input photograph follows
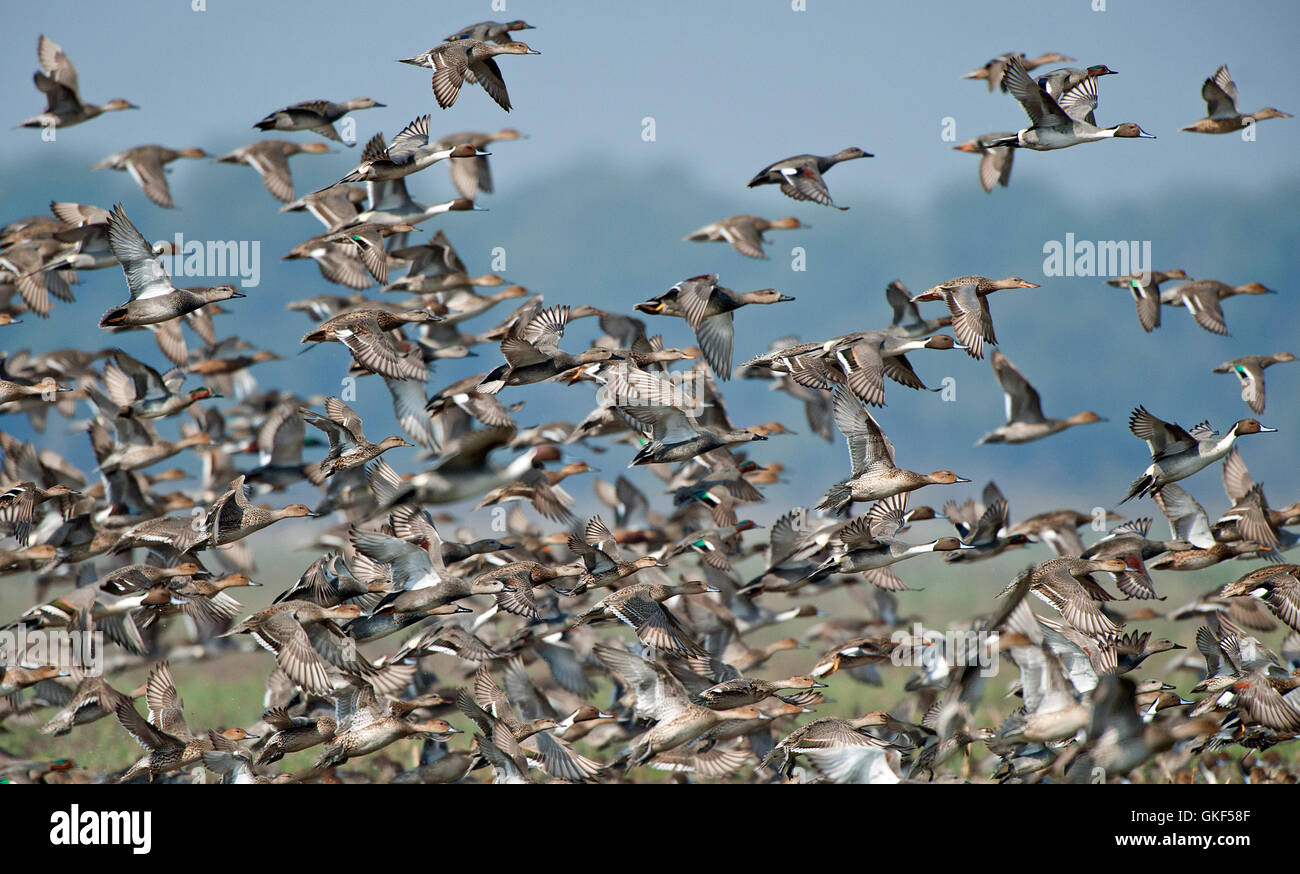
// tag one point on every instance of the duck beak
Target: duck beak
(1143, 135)
(784, 297)
(1264, 430)
(532, 52)
(712, 589)
(962, 479)
(238, 294)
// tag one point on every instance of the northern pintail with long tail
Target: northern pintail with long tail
(409, 152)
(1025, 419)
(860, 360)
(800, 176)
(873, 474)
(154, 298)
(870, 544)
(1062, 121)
(392, 205)
(317, 116)
(57, 80)
(147, 164)
(967, 299)
(1221, 113)
(468, 60)
(1177, 453)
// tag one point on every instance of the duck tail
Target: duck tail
(113, 317)
(271, 754)
(1143, 485)
(645, 454)
(494, 381)
(821, 571)
(837, 497)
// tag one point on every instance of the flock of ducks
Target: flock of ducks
(655, 607)
(1061, 106)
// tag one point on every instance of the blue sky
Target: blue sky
(591, 212)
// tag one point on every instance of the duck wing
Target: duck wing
(1080, 101)
(489, 76)
(805, 183)
(971, 321)
(1203, 304)
(1220, 94)
(449, 68)
(1187, 519)
(1147, 300)
(1164, 438)
(145, 275)
(1023, 402)
(55, 64)
(166, 709)
(716, 336)
(273, 167)
(865, 371)
(408, 141)
(1042, 110)
(743, 237)
(146, 168)
(869, 448)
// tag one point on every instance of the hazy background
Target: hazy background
(589, 212)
